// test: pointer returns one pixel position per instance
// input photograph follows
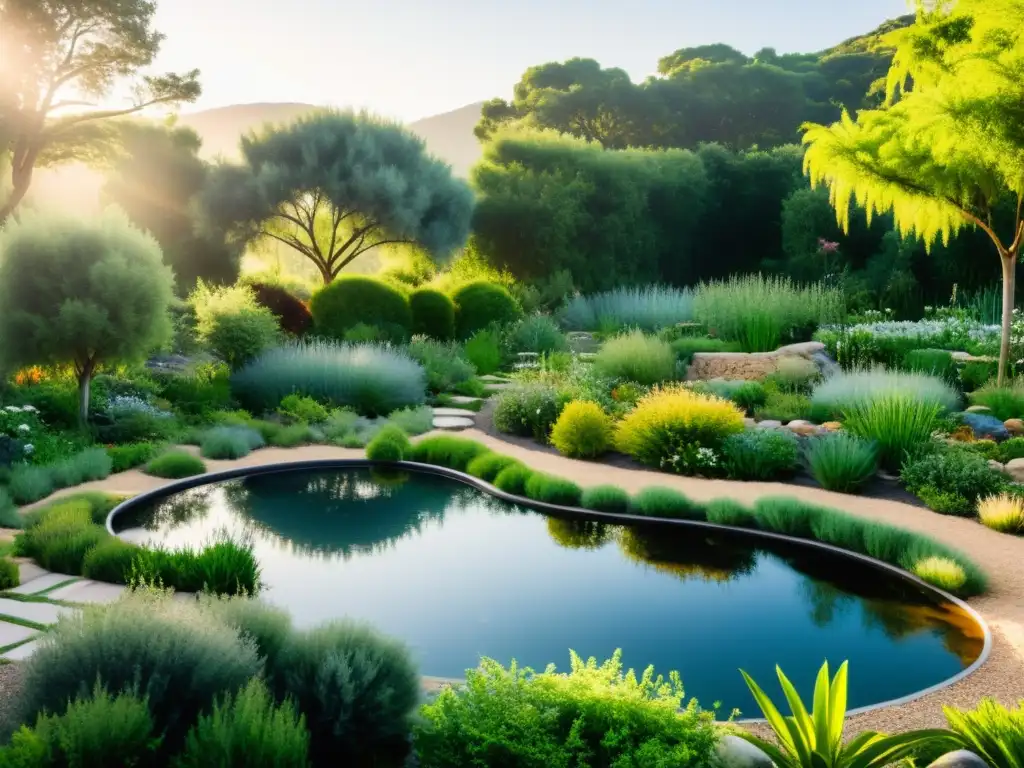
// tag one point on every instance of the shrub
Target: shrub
(729, 512)
(670, 421)
(300, 408)
(483, 350)
(583, 430)
(537, 333)
(355, 299)
(900, 423)
(10, 576)
(175, 465)
(942, 572)
(794, 374)
(965, 475)
(111, 561)
(528, 411)
(269, 627)
(838, 394)
(292, 314)
(636, 357)
(62, 537)
(842, 462)
(991, 731)
(371, 379)
(444, 363)
(131, 419)
(650, 308)
(29, 484)
(1003, 513)
(232, 324)
(131, 455)
(784, 407)
(686, 347)
(171, 653)
(290, 436)
(205, 390)
(552, 490)
(90, 464)
(760, 454)
(605, 498)
(1004, 402)
(976, 373)
(433, 314)
(481, 304)
(560, 717)
(390, 444)
(248, 729)
(666, 502)
(748, 395)
(1009, 450)
(413, 421)
(513, 479)
(357, 689)
(487, 466)
(447, 451)
(934, 362)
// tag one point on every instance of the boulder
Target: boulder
(997, 466)
(978, 409)
(734, 752)
(803, 428)
(962, 758)
(985, 427)
(831, 426)
(755, 365)
(769, 424)
(1015, 469)
(1014, 426)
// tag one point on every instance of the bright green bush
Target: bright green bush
(934, 362)
(481, 304)
(842, 462)
(433, 314)
(537, 333)
(729, 512)
(224, 567)
(1004, 402)
(172, 653)
(447, 451)
(9, 574)
(111, 561)
(390, 444)
(488, 466)
(174, 465)
(371, 379)
(993, 732)
(1009, 450)
(748, 395)
(760, 454)
(784, 407)
(483, 350)
(301, 408)
(528, 411)
(517, 717)
(248, 730)
(61, 538)
(666, 502)
(552, 490)
(444, 362)
(636, 357)
(232, 324)
(583, 430)
(976, 373)
(357, 689)
(900, 423)
(953, 479)
(131, 455)
(513, 479)
(354, 299)
(605, 498)
(229, 442)
(686, 347)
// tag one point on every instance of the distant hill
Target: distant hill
(449, 136)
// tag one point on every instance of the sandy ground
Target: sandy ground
(1002, 556)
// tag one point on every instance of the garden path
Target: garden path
(1001, 555)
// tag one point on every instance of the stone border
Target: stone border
(582, 514)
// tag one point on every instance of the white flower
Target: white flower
(538, 411)
(29, 448)
(24, 428)
(13, 409)
(29, 409)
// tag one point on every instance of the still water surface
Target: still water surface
(458, 574)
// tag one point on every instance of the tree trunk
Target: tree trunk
(21, 180)
(84, 379)
(1009, 262)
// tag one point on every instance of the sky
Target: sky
(409, 59)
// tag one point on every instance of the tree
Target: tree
(81, 292)
(334, 185)
(59, 54)
(157, 179)
(942, 156)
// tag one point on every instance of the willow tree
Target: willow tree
(334, 185)
(948, 145)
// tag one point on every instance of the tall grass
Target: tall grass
(1004, 402)
(761, 313)
(373, 379)
(648, 307)
(636, 357)
(900, 423)
(835, 395)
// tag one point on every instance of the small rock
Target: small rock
(734, 752)
(962, 758)
(997, 466)
(978, 409)
(801, 427)
(1014, 426)
(984, 426)
(832, 426)
(1015, 469)
(769, 424)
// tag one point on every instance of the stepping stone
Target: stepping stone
(42, 583)
(452, 422)
(495, 387)
(464, 399)
(489, 378)
(14, 633)
(29, 571)
(89, 592)
(22, 652)
(40, 613)
(454, 412)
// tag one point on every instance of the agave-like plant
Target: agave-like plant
(991, 731)
(815, 739)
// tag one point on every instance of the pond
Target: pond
(458, 575)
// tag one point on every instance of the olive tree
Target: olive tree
(333, 185)
(81, 293)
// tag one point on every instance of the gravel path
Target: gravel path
(1001, 555)
(10, 684)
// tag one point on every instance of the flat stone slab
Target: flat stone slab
(29, 571)
(454, 412)
(40, 613)
(506, 385)
(452, 422)
(14, 633)
(490, 378)
(23, 651)
(42, 583)
(89, 592)
(464, 399)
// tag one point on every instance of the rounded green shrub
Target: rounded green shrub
(513, 479)
(447, 451)
(111, 561)
(842, 462)
(390, 444)
(301, 408)
(9, 575)
(528, 411)
(761, 454)
(552, 490)
(488, 466)
(355, 299)
(229, 442)
(583, 430)
(433, 314)
(268, 626)
(62, 537)
(605, 498)
(478, 305)
(729, 512)
(636, 357)
(666, 502)
(357, 689)
(174, 465)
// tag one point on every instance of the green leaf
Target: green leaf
(822, 722)
(837, 707)
(771, 714)
(780, 758)
(801, 720)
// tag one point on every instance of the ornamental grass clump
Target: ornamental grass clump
(1003, 513)
(760, 454)
(583, 431)
(837, 394)
(552, 490)
(842, 462)
(942, 572)
(636, 357)
(605, 498)
(649, 308)
(1005, 402)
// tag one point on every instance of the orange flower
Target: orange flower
(28, 376)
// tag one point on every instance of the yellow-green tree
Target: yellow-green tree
(949, 143)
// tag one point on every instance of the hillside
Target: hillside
(448, 135)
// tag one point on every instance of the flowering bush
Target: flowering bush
(20, 426)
